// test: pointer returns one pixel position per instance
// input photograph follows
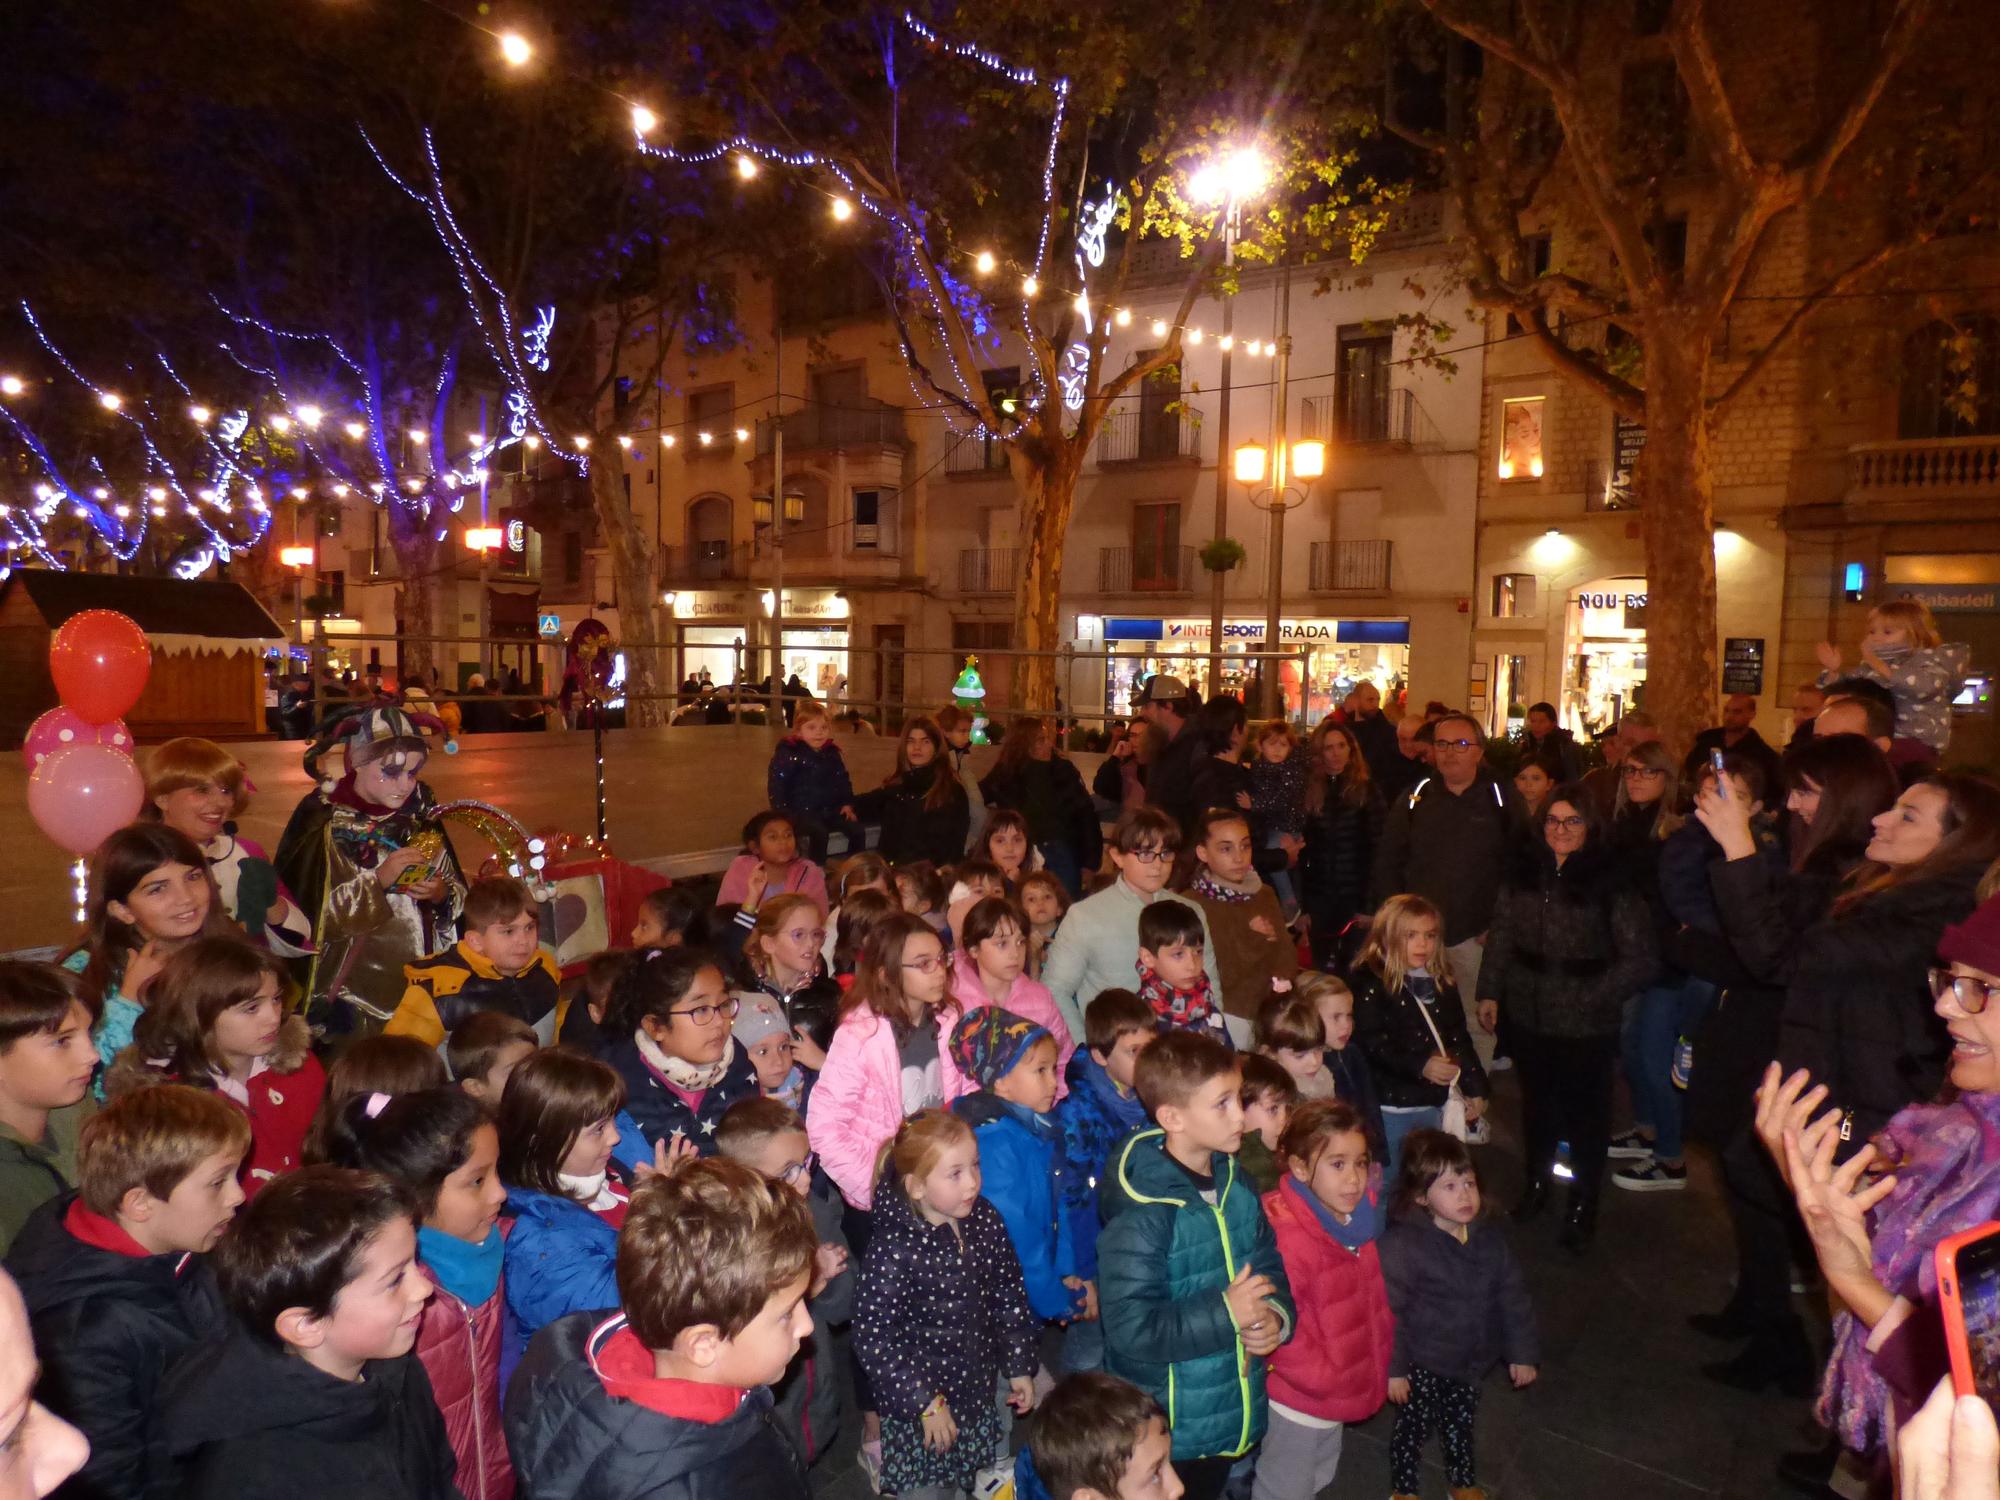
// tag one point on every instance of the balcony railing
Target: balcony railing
(1925, 466)
(705, 562)
(988, 570)
(1388, 415)
(1151, 570)
(976, 453)
(824, 428)
(1138, 433)
(1350, 567)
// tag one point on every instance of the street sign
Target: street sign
(550, 626)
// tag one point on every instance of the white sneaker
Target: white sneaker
(1650, 1177)
(1631, 1146)
(995, 1482)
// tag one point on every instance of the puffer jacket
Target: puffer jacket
(1857, 1011)
(809, 782)
(942, 1308)
(1334, 865)
(459, 1347)
(1923, 682)
(1094, 1117)
(447, 988)
(662, 1111)
(1027, 998)
(283, 1098)
(858, 1102)
(1022, 1169)
(561, 1258)
(574, 1439)
(911, 828)
(808, 1396)
(1336, 1367)
(108, 1322)
(1393, 1035)
(1568, 947)
(1163, 1260)
(1460, 1308)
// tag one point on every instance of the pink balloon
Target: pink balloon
(83, 794)
(60, 728)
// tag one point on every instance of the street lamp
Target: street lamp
(1227, 182)
(1307, 462)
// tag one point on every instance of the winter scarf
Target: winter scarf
(593, 1192)
(1946, 1158)
(1215, 888)
(469, 1272)
(1189, 1009)
(1363, 1226)
(689, 1078)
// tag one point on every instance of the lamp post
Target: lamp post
(1228, 181)
(1305, 461)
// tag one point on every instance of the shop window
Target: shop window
(1515, 595)
(1950, 380)
(1521, 455)
(1540, 250)
(1361, 384)
(713, 412)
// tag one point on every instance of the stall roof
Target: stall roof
(169, 610)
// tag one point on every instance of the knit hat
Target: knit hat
(758, 1017)
(1975, 942)
(988, 1042)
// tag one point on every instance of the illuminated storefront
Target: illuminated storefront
(728, 630)
(1604, 654)
(1339, 654)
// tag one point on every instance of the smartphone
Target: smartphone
(1721, 781)
(1968, 1278)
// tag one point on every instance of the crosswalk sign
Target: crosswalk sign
(549, 625)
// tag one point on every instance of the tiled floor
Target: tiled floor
(1621, 1411)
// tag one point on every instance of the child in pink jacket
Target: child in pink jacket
(991, 969)
(890, 1056)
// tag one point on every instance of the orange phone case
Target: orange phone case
(1951, 1305)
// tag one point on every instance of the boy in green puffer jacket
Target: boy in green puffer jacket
(1191, 1289)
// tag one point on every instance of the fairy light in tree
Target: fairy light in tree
(514, 49)
(312, 416)
(984, 263)
(11, 385)
(644, 121)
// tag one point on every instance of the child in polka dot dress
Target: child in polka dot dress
(1461, 1307)
(943, 1314)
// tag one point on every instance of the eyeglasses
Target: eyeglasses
(701, 1015)
(930, 963)
(1571, 824)
(813, 935)
(798, 1171)
(1151, 856)
(1643, 771)
(1455, 744)
(1970, 995)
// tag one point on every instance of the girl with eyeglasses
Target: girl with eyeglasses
(784, 954)
(1572, 940)
(672, 1012)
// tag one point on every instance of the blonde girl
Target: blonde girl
(199, 788)
(1904, 652)
(783, 952)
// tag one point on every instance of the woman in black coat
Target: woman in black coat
(1570, 943)
(1047, 790)
(1343, 826)
(922, 808)
(1856, 1010)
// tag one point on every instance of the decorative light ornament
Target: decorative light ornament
(355, 430)
(644, 121)
(1226, 343)
(1123, 317)
(704, 438)
(281, 424)
(666, 440)
(581, 442)
(984, 263)
(11, 385)
(514, 49)
(1159, 328)
(842, 210)
(1030, 287)
(746, 166)
(742, 434)
(110, 400)
(624, 442)
(311, 416)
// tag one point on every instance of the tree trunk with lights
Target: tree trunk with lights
(1047, 491)
(632, 564)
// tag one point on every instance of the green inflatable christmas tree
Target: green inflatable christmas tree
(969, 693)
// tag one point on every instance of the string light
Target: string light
(311, 415)
(704, 438)
(199, 415)
(984, 263)
(1030, 286)
(1159, 328)
(514, 49)
(842, 210)
(581, 442)
(418, 437)
(644, 120)
(666, 440)
(624, 442)
(1226, 343)
(356, 430)
(281, 424)
(742, 434)
(11, 385)
(1192, 335)
(1123, 317)
(746, 166)
(110, 400)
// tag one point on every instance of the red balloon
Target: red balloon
(83, 794)
(100, 661)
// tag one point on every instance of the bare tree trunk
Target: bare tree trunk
(632, 563)
(1677, 515)
(417, 592)
(1048, 495)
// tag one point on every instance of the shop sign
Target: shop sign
(1963, 598)
(1628, 441)
(817, 604)
(1743, 664)
(1344, 632)
(725, 604)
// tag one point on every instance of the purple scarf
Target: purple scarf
(1946, 1158)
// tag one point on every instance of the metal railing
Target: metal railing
(976, 453)
(1926, 466)
(1350, 567)
(1140, 432)
(988, 570)
(1149, 570)
(1384, 415)
(819, 428)
(705, 562)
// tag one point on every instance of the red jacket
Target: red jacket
(1335, 1366)
(460, 1350)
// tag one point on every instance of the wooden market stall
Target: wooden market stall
(208, 638)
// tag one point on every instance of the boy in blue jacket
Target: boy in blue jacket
(1194, 1293)
(1020, 1152)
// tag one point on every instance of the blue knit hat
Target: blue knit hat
(988, 1042)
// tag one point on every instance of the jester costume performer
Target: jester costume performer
(370, 924)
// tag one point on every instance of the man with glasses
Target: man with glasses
(1447, 841)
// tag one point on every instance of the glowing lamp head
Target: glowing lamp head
(11, 385)
(199, 415)
(281, 424)
(1506, 468)
(531, 443)
(1250, 460)
(984, 262)
(582, 442)
(475, 438)
(299, 492)
(667, 440)
(1159, 328)
(842, 210)
(110, 400)
(484, 538)
(311, 415)
(742, 434)
(746, 166)
(515, 50)
(1235, 178)
(1030, 287)
(296, 557)
(624, 442)
(1309, 459)
(644, 121)
(156, 493)
(355, 430)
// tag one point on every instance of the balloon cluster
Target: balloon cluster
(82, 784)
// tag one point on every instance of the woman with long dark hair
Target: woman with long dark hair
(1046, 789)
(1856, 1010)
(922, 807)
(1571, 941)
(1343, 825)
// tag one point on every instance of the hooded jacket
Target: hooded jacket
(573, 1439)
(662, 1111)
(807, 782)
(561, 1258)
(1460, 1309)
(1336, 1368)
(1163, 1261)
(1023, 1170)
(942, 1308)
(448, 987)
(108, 1325)
(242, 1419)
(1094, 1117)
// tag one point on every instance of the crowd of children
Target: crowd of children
(928, 1147)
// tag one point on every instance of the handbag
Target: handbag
(1454, 1121)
